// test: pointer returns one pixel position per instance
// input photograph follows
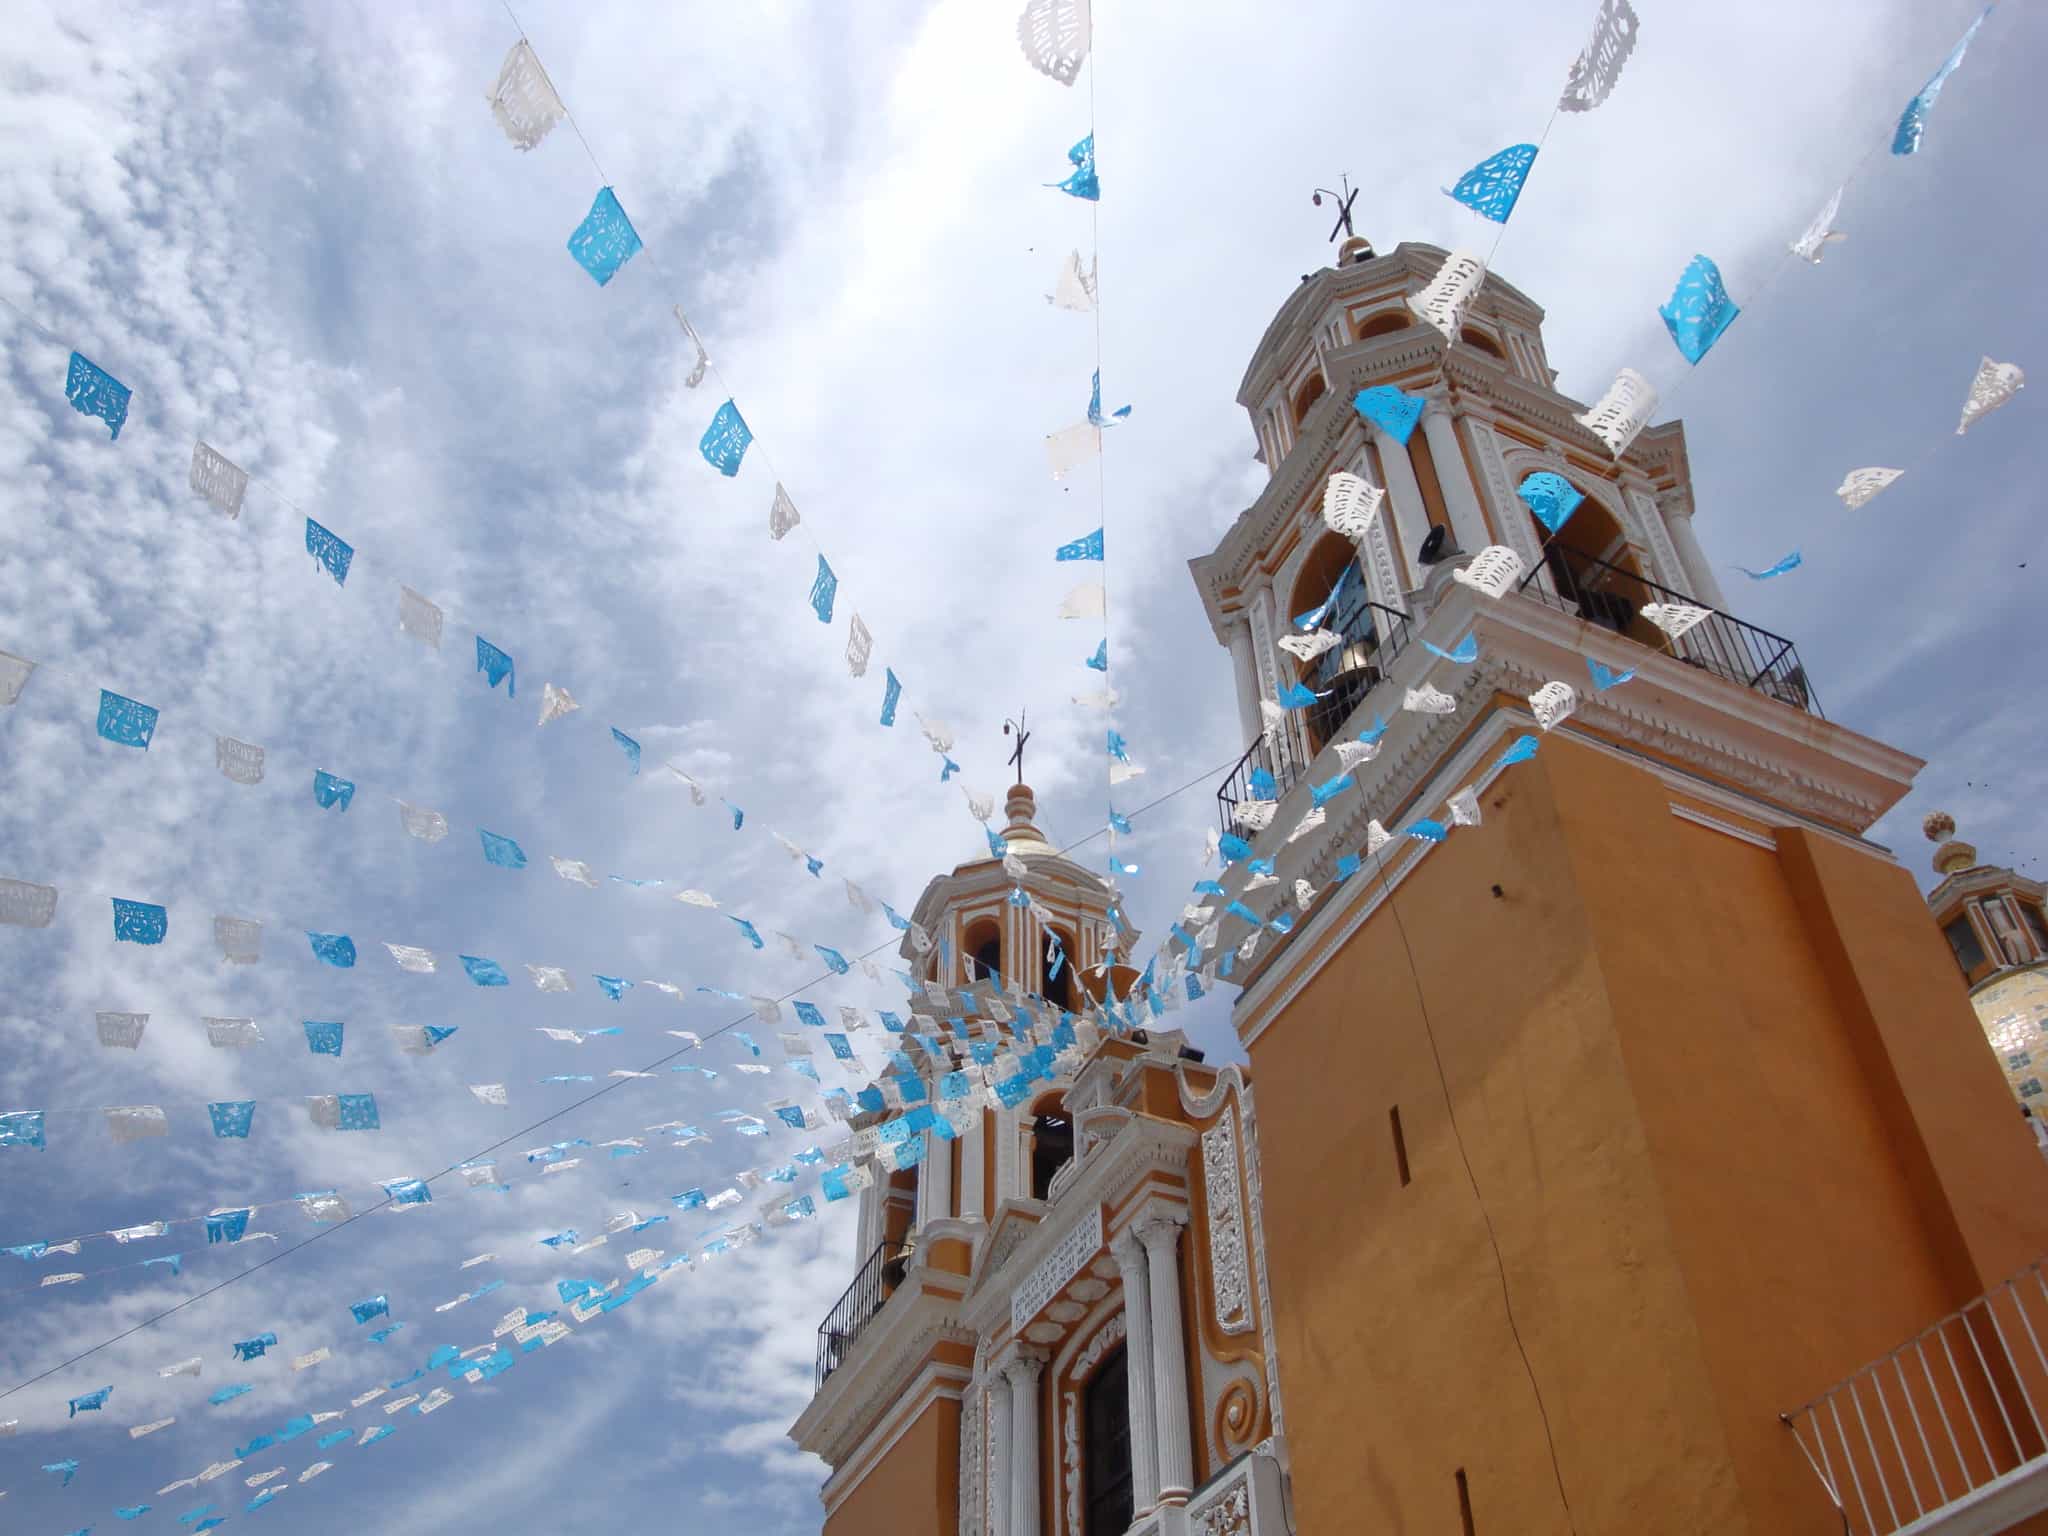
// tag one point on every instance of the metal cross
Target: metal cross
(1017, 756)
(1344, 201)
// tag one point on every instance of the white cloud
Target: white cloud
(306, 241)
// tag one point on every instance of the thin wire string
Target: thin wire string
(757, 442)
(518, 1135)
(71, 672)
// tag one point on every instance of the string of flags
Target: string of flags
(1056, 35)
(575, 1301)
(131, 723)
(1700, 309)
(527, 106)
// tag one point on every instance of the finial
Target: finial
(1953, 855)
(1344, 200)
(1023, 736)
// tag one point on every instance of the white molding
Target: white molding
(1725, 828)
(880, 1365)
(1143, 1146)
(938, 1381)
(1366, 890)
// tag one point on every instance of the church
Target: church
(1630, 1160)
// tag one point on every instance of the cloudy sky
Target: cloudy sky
(303, 239)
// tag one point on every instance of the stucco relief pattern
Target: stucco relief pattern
(1227, 1280)
(1645, 517)
(1104, 1339)
(1231, 1515)
(973, 1459)
(1377, 551)
(1509, 511)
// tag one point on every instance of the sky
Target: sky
(300, 236)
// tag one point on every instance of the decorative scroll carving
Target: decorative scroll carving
(1071, 1460)
(1105, 1338)
(1646, 526)
(1230, 1515)
(1227, 1280)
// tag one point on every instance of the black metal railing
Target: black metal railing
(1342, 678)
(1613, 598)
(1602, 594)
(857, 1307)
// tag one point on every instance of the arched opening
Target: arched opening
(1344, 674)
(1057, 972)
(1106, 1433)
(983, 947)
(1052, 1144)
(1309, 394)
(1479, 341)
(1590, 562)
(1384, 323)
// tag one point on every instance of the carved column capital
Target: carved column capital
(1159, 1230)
(1129, 1254)
(1021, 1364)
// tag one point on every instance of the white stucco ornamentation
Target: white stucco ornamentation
(1226, 1226)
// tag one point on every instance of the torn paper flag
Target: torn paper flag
(606, 240)
(419, 617)
(1597, 68)
(220, 481)
(524, 100)
(1054, 35)
(93, 391)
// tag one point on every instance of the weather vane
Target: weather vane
(1344, 201)
(1023, 736)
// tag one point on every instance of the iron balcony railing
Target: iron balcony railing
(1371, 636)
(1939, 1419)
(871, 1288)
(1613, 598)
(1602, 594)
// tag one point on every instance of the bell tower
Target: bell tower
(1993, 920)
(1058, 1322)
(1606, 1128)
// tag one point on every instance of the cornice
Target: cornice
(880, 1365)
(1486, 389)
(1724, 742)
(936, 1382)
(1979, 880)
(1144, 1145)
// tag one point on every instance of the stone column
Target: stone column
(972, 1144)
(935, 1189)
(1246, 674)
(871, 1220)
(1404, 497)
(1161, 1236)
(999, 1444)
(1699, 571)
(1022, 1369)
(1129, 1254)
(1454, 475)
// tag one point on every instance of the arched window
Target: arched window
(1106, 1432)
(984, 949)
(1310, 393)
(1384, 323)
(1052, 1145)
(1591, 564)
(1479, 341)
(1059, 990)
(1343, 675)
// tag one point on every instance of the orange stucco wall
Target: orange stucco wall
(914, 1490)
(1728, 1119)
